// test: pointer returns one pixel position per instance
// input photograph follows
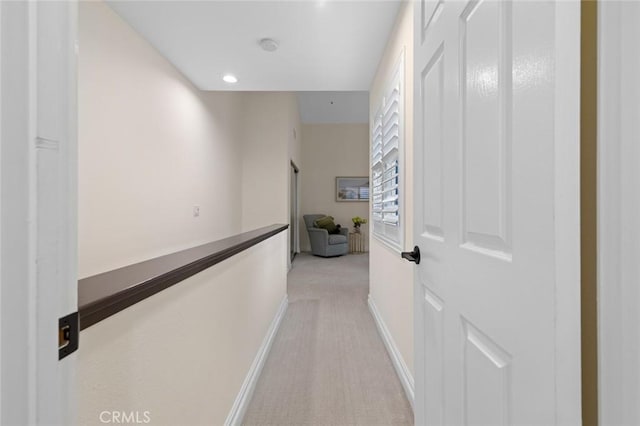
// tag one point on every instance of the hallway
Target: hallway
(161, 161)
(328, 365)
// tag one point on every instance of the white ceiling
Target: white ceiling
(334, 107)
(325, 45)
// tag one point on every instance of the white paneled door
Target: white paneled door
(497, 314)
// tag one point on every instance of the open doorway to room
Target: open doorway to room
(293, 209)
(335, 183)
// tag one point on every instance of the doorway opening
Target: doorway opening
(293, 208)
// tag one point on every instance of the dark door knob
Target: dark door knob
(412, 256)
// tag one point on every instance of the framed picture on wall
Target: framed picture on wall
(352, 188)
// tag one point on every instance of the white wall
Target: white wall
(390, 277)
(183, 353)
(151, 147)
(328, 151)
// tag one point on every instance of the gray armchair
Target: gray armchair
(323, 244)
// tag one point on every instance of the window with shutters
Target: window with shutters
(387, 137)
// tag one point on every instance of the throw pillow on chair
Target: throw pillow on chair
(328, 224)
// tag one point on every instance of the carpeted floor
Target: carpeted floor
(328, 365)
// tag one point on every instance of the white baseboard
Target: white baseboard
(406, 378)
(243, 399)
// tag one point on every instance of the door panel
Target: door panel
(434, 356)
(430, 12)
(486, 122)
(487, 379)
(433, 85)
(487, 174)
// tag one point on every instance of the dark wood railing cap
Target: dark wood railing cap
(103, 295)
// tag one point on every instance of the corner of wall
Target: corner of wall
(266, 147)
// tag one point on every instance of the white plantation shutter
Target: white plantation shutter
(391, 122)
(376, 171)
(390, 147)
(386, 139)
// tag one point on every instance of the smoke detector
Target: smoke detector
(268, 44)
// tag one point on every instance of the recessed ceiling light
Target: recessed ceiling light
(230, 78)
(268, 44)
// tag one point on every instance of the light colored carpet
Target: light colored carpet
(328, 365)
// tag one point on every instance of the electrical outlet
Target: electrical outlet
(196, 211)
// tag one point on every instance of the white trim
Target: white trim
(35, 317)
(567, 214)
(21, 405)
(1, 143)
(395, 78)
(391, 245)
(405, 376)
(239, 408)
(618, 207)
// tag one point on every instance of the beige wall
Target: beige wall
(295, 156)
(294, 130)
(183, 353)
(330, 150)
(271, 139)
(267, 149)
(151, 147)
(391, 278)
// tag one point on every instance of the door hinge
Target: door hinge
(68, 335)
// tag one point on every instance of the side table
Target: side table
(357, 242)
